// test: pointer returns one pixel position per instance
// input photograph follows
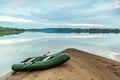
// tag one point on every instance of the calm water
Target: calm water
(15, 48)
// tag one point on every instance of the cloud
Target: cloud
(84, 24)
(70, 24)
(12, 19)
(116, 4)
(62, 12)
(110, 5)
(14, 2)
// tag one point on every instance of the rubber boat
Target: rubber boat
(41, 62)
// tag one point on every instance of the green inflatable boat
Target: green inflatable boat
(42, 62)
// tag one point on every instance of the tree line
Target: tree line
(9, 31)
(75, 30)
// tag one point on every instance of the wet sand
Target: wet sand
(81, 66)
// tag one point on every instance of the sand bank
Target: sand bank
(81, 66)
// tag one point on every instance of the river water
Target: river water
(15, 48)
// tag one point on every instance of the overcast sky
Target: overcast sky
(60, 13)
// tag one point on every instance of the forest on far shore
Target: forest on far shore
(75, 30)
(9, 31)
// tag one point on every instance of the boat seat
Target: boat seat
(47, 58)
(27, 60)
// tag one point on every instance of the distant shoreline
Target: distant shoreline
(4, 31)
(76, 30)
(8, 30)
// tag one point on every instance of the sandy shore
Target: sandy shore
(81, 66)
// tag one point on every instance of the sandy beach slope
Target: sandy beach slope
(81, 66)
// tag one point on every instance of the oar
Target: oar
(31, 62)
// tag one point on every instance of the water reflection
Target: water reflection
(113, 55)
(15, 48)
(7, 33)
(12, 41)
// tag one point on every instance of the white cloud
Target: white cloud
(111, 5)
(116, 4)
(70, 24)
(84, 24)
(14, 2)
(100, 17)
(62, 3)
(12, 19)
(46, 23)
